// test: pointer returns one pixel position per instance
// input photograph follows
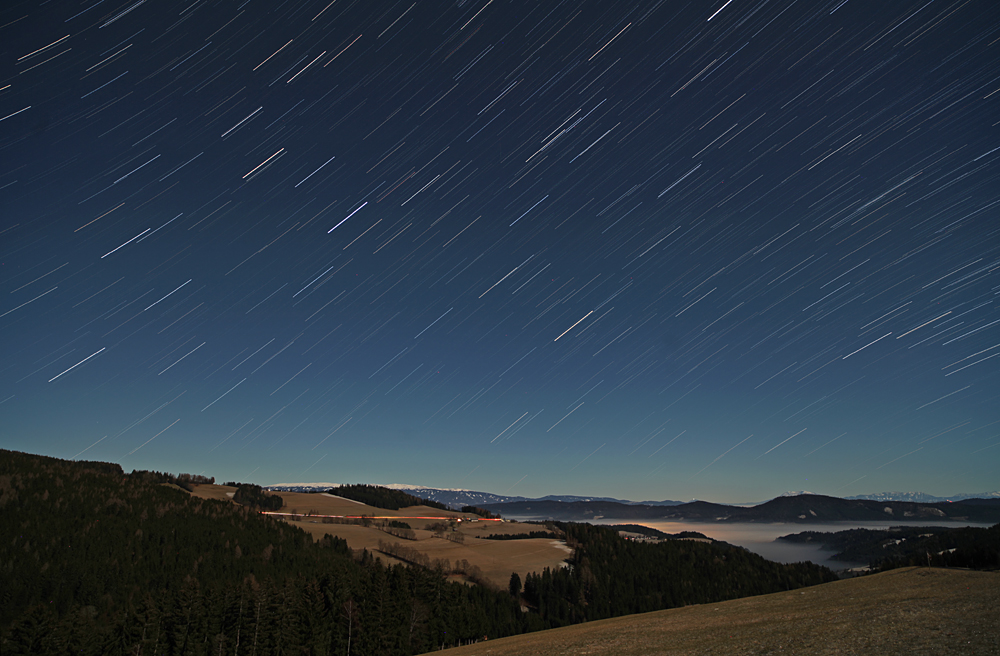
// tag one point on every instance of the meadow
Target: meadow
(463, 540)
(905, 611)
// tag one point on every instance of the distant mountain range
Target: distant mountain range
(456, 498)
(802, 508)
(791, 507)
(921, 497)
(915, 497)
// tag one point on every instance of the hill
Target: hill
(899, 546)
(803, 508)
(96, 561)
(456, 541)
(383, 497)
(907, 611)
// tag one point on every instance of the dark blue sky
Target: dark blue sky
(646, 250)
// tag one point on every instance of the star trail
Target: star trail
(650, 250)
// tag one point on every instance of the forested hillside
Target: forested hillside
(254, 496)
(902, 546)
(94, 561)
(610, 576)
(383, 497)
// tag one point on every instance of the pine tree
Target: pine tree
(515, 585)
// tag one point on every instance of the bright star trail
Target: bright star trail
(573, 247)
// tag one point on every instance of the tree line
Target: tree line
(522, 536)
(254, 496)
(904, 546)
(609, 576)
(382, 497)
(94, 561)
(411, 555)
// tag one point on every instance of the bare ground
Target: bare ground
(907, 611)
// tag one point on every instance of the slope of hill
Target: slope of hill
(460, 547)
(811, 508)
(383, 497)
(908, 611)
(899, 546)
(609, 576)
(96, 561)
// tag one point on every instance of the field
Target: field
(906, 611)
(222, 492)
(497, 559)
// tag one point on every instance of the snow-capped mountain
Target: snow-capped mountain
(458, 497)
(301, 487)
(922, 497)
(454, 498)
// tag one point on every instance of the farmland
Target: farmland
(465, 540)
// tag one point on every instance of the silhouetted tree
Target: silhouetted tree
(515, 585)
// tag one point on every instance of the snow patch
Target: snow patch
(404, 486)
(313, 486)
(334, 496)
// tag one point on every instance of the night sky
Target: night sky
(655, 250)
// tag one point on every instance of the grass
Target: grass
(497, 559)
(906, 611)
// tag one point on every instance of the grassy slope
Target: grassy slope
(907, 611)
(497, 559)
